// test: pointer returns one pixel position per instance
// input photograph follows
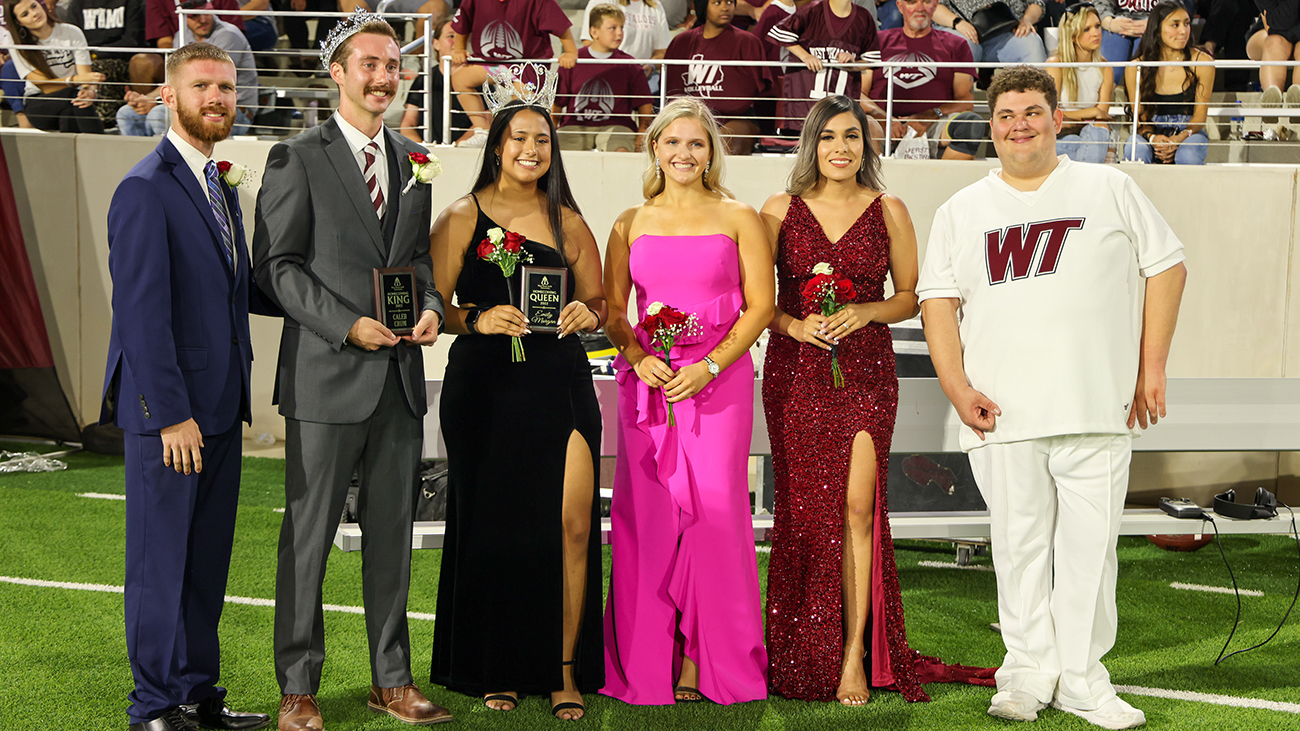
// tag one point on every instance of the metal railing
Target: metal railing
(278, 92)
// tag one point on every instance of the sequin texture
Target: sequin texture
(812, 426)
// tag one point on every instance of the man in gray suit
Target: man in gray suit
(334, 205)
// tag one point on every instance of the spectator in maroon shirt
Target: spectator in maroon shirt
(599, 98)
(938, 102)
(500, 31)
(729, 91)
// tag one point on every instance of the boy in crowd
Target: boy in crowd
(598, 99)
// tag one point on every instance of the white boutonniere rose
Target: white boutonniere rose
(424, 168)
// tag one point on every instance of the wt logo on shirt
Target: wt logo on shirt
(703, 78)
(1010, 253)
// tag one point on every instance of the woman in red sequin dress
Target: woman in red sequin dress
(834, 613)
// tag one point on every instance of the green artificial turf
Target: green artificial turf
(63, 655)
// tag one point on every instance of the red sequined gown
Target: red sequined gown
(812, 426)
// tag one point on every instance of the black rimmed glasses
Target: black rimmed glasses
(1078, 7)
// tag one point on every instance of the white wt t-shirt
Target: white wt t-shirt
(1050, 285)
(64, 50)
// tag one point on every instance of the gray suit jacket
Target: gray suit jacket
(315, 243)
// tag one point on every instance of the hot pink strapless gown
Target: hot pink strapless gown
(684, 571)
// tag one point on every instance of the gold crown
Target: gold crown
(504, 87)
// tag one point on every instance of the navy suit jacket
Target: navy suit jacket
(180, 347)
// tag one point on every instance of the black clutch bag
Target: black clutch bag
(993, 21)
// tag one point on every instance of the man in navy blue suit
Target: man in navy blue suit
(178, 386)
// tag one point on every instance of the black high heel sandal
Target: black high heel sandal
(569, 705)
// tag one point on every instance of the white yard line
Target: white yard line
(1218, 700)
(110, 496)
(942, 565)
(246, 600)
(1213, 589)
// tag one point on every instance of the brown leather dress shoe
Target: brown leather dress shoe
(300, 713)
(407, 704)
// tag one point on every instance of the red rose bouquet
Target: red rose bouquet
(829, 295)
(666, 326)
(506, 250)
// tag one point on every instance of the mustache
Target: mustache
(216, 109)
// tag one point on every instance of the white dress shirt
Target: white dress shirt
(357, 140)
(196, 161)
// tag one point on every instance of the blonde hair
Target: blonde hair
(652, 181)
(600, 12)
(1071, 27)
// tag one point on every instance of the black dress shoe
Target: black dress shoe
(214, 713)
(173, 720)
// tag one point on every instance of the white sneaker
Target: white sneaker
(478, 140)
(1272, 97)
(1015, 705)
(1293, 96)
(1114, 713)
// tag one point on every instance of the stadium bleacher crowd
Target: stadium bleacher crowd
(95, 66)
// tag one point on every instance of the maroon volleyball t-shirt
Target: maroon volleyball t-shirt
(597, 94)
(504, 30)
(917, 88)
(728, 90)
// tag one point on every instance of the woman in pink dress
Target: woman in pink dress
(834, 613)
(684, 621)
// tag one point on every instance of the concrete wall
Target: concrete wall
(1239, 318)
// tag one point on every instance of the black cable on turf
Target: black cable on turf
(1237, 591)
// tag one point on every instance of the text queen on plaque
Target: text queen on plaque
(545, 292)
(396, 304)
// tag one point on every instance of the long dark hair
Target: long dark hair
(1150, 48)
(553, 182)
(806, 174)
(24, 37)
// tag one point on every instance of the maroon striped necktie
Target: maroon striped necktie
(372, 178)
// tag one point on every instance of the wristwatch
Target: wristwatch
(471, 319)
(712, 365)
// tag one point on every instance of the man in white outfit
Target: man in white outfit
(1055, 357)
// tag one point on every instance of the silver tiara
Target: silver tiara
(508, 85)
(346, 28)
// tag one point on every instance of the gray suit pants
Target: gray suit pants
(319, 462)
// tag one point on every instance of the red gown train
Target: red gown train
(812, 426)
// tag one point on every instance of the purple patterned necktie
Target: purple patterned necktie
(218, 202)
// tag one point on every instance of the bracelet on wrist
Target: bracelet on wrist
(471, 320)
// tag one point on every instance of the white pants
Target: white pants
(1055, 504)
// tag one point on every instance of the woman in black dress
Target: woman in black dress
(520, 591)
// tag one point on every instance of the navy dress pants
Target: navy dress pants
(179, 533)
